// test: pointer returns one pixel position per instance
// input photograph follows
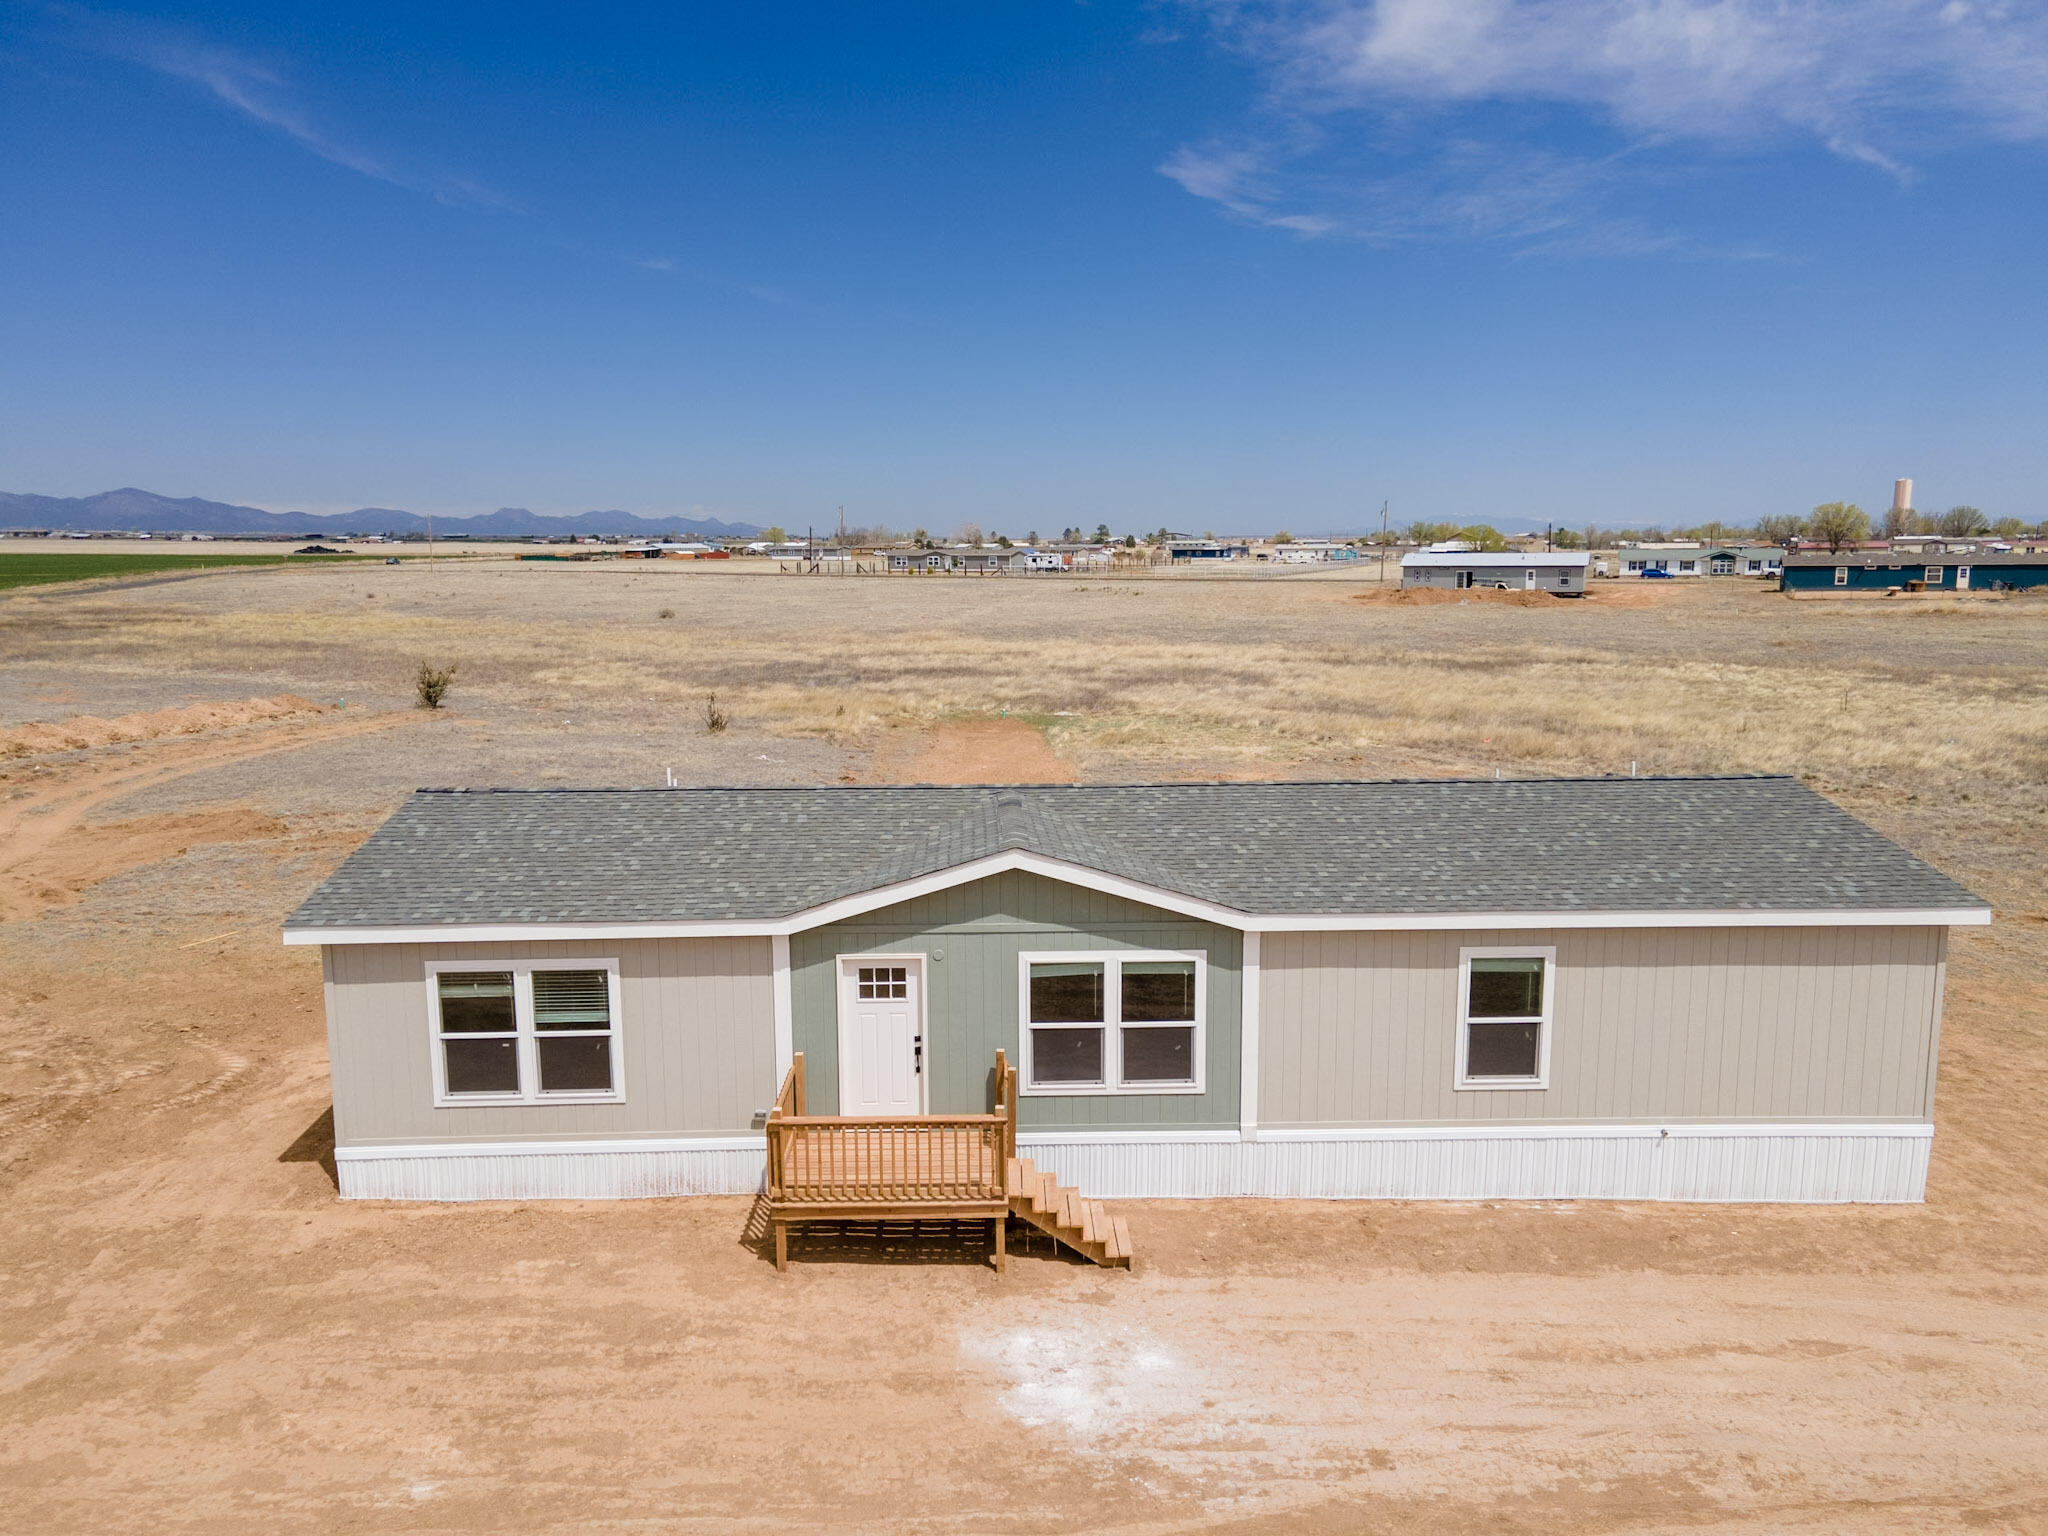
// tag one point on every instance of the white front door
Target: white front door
(1529, 579)
(881, 1035)
(1962, 578)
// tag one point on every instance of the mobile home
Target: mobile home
(1683, 988)
(1562, 571)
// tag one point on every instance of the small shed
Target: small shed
(1561, 572)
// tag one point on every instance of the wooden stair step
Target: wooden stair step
(1120, 1240)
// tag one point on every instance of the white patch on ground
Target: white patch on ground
(1092, 1377)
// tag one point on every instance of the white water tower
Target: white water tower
(1902, 495)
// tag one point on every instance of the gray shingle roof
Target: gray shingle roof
(1405, 847)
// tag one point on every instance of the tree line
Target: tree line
(1833, 523)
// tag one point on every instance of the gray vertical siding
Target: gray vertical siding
(981, 928)
(1695, 1024)
(696, 1036)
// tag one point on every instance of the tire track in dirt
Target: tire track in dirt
(48, 802)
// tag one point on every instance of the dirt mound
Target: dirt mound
(82, 731)
(1426, 597)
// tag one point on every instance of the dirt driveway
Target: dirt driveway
(196, 1336)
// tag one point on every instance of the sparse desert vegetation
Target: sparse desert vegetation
(242, 1352)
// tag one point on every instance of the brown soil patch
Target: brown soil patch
(1433, 597)
(85, 855)
(47, 856)
(38, 738)
(977, 752)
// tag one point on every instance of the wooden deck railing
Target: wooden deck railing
(900, 1162)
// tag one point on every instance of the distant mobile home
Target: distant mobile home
(1877, 570)
(1562, 571)
(1687, 988)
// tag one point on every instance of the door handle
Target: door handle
(917, 1053)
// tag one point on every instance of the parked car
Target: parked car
(1657, 576)
(391, 559)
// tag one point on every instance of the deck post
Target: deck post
(1002, 1226)
(781, 1245)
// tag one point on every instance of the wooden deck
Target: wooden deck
(836, 1168)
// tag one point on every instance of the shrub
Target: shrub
(715, 719)
(432, 684)
(667, 613)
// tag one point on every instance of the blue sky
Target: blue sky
(1229, 266)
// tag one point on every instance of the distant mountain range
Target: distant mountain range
(130, 510)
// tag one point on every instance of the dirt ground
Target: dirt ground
(195, 1335)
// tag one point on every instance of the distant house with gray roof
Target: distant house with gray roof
(1681, 988)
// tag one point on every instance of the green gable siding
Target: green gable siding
(980, 929)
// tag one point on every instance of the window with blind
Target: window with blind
(1117, 1023)
(524, 1033)
(572, 1022)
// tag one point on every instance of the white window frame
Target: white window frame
(528, 1049)
(1112, 963)
(1841, 575)
(1547, 953)
(1932, 575)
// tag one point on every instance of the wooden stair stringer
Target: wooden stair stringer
(1062, 1214)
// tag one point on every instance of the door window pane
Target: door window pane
(1068, 1056)
(1501, 1050)
(1159, 1055)
(482, 1065)
(1158, 989)
(1066, 994)
(1510, 989)
(576, 1064)
(477, 1002)
(883, 983)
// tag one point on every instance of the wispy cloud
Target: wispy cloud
(1391, 119)
(263, 92)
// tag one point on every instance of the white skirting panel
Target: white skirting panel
(1785, 1163)
(553, 1170)
(1811, 1164)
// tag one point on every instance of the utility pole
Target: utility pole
(430, 539)
(1546, 538)
(1383, 541)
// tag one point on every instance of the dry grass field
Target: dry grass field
(196, 1336)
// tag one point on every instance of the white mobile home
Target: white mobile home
(1694, 989)
(1561, 572)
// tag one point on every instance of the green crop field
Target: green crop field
(39, 569)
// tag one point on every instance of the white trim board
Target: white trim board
(1132, 890)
